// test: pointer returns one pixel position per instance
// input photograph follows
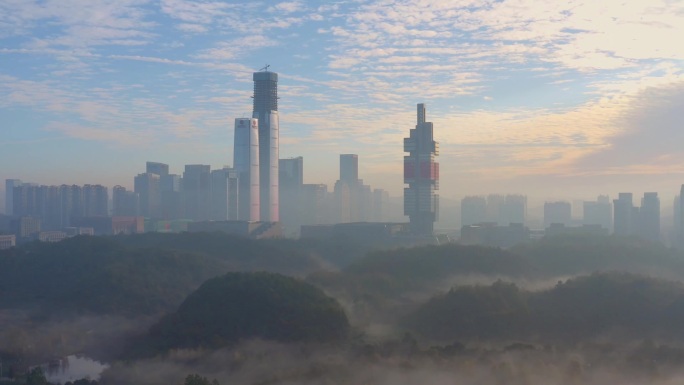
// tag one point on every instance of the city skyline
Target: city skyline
(553, 101)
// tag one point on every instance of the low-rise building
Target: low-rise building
(7, 241)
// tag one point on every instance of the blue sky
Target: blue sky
(551, 99)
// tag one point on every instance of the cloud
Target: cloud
(229, 50)
(79, 23)
(287, 7)
(650, 139)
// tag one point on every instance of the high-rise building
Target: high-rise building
(381, 202)
(352, 198)
(71, 204)
(246, 163)
(10, 184)
(291, 180)
(514, 209)
(599, 212)
(265, 110)
(146, 185)
(473, 210)
(224, 194)
(197, 191)
(495, 204)
(557, 212)
(624, 214)
(160, 169)
(95, 201)
(421, 173)
(649, 217)
(315, 204)
(125, 203)
(171, 195)
(349, 168)
(679, 218)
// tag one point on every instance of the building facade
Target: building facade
(246, 163)
(265, 110)
(421, 173)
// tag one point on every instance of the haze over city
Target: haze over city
(547, 99)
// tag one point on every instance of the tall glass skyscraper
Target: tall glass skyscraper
(421, 173)
(246, 163)
(265, 110)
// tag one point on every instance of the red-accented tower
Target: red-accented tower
(421, 173)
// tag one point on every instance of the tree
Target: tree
(36, 377)
(196, 379)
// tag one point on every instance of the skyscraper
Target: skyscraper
(265, 110)
(291, 180)
(246, 163)
(125, 203)
(349, 168)
(171, 195)
(146, 185)
(598, 212)
(10, 184)
(624, 214)
(421, 173)
(649, 217)
(197, 191)
(224, 194)
(160, 169)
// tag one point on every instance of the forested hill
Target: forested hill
(240, 306)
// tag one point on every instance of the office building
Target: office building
(649, 217)
(10, 184)
(599, 212)
(224, 194)
(246, 163)
(558, 213)
(265, 110)
(197, 191)
(421, 173)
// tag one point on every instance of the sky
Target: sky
(552, 99)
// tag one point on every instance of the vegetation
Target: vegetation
(239, 306)
(583, 254)
(99, 275)
(578, 309)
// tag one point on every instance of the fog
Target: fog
(259, 362)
